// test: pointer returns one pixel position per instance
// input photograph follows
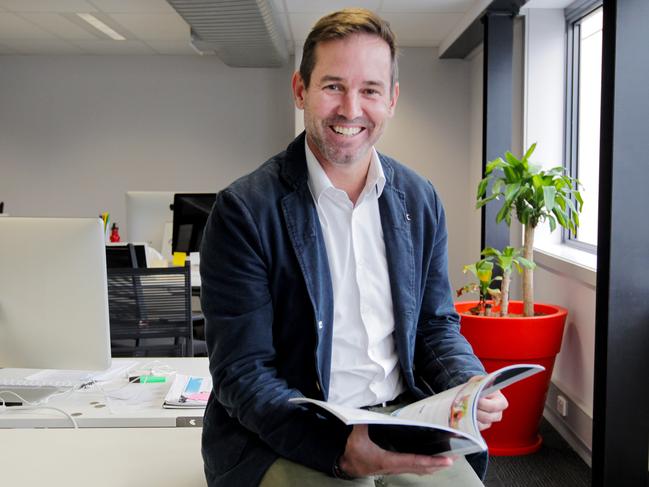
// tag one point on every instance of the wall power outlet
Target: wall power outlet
(562, 405)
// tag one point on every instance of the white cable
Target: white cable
(33, 406)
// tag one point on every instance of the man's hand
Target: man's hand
(490, 409)
(363, 457)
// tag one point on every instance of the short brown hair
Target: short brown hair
(345, 23)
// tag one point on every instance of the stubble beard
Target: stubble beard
(332, 153)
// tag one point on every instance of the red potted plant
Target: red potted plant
(503, 332)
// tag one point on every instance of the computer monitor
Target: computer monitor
(125, 255)
(53, 294)
(147, 212)
(190, 212)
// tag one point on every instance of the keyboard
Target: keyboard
(10, 383)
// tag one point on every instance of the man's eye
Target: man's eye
(333, 87)
(371, 92)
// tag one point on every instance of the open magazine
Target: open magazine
(445, 423)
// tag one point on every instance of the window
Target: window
(583, 99)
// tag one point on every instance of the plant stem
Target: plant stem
(504, 288)
(528, 274)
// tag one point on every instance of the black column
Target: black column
(497, 111)
(621, 399)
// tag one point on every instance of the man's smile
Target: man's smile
(347, 131)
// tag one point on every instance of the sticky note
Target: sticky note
(179, 259)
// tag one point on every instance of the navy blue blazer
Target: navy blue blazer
(268, 303)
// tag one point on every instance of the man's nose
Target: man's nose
(350, 106)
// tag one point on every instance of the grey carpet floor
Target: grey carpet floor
(555, 464)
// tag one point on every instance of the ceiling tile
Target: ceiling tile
(306, 6)
(154, 26)
(278, 5)
(441, 6)
(47, 6)
(98, 46)
(286, 31)
(42, 46)
(301, 24)
(13, 26)
(172, 47)
(58, 25)
(421, 29)
(133, 6)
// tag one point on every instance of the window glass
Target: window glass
(583, 150)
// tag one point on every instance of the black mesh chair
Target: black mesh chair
(150, 312)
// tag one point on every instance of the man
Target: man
(325, 275)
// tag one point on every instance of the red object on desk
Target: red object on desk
(114, 233)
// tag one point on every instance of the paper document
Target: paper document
(188, 392)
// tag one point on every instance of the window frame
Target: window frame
(574, 15)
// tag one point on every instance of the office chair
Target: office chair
(150, 312)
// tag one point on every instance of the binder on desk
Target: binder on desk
(188, 391)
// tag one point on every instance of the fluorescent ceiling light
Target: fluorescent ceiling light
(99, 25)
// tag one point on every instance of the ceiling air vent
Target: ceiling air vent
(243, 33)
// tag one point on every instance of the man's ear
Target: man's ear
(298, 90)
(393, 100)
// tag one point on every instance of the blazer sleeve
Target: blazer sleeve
(238, 308)
(443, 357)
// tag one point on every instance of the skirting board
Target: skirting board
(576, 427)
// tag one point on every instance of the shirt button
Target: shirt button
(320, 325)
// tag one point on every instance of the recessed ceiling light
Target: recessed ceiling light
(99, 25)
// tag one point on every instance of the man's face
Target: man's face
(348, 100)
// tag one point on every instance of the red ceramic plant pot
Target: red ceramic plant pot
(504, 341)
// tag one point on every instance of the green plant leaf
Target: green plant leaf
(503, 213)
(493, 165)
(561, 216)
(579, 199)
(510, 192)
(498, 185)
(526, 263)
(509, 157)
(553, 223)
(575, 218)
(529, 151)
(482, 188)
(490, 251)
(549, 193)
(484, 201)
(510, 174)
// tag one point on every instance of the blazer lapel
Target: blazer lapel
(395, 222)
(306, 237)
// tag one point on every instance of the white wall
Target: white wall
(76, 132)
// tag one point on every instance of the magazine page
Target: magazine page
(188, 392)
(508, 375)
(402, 434)
(455, 408)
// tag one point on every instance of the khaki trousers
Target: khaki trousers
(284, 473)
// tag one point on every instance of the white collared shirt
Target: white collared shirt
(364, 366)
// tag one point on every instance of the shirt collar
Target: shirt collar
(319, 181)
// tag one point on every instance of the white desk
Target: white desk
(102, 457)
(127, 447)
(121, 445)
(116, 405)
